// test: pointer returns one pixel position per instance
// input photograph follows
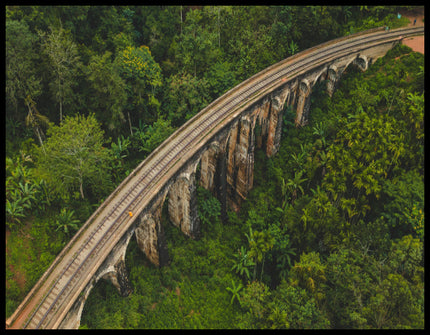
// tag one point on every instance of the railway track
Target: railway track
(112, 217)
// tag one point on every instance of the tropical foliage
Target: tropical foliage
(332, 234)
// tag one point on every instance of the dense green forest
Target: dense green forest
(332, 234)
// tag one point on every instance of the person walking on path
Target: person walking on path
(415, 21)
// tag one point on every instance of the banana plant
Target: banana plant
(14, 213)
(65, 221)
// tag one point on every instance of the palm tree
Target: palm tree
(309, 274)
(235, 291)
(120, 149)
(283, 259)
(242, 262)
(320, 131)
(260, 243)
(279, 319)
(299, 159)
(346, 13)
(295, 184)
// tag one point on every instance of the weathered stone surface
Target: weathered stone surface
(208, 166)
(151, 240)
(261, 129)
(183, 205)
(274, 131)
(240, 162)
(221, 184)
(119, 278)
(332, 76)
(303, 103)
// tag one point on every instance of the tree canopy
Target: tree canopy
(330, 237)
(74, 159)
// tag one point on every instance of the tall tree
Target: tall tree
(109, 95)
(142, 75)
(63, 58)
(259, 243)
(185, 97)
(75, 159)
(197, 46)
(21, 79)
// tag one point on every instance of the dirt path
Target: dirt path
(417, 42)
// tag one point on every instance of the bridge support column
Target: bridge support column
(240, 162)
(261, 114)
(213, 173)
(183, 203)
(221, 182)
(208, 166)
(303, 103)
(275, 122)
(332, 76)
(150, 237)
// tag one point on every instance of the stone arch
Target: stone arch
(347, 64)
(287, 97)
(362, 62)
(305, 87)
(150, 238)
(332, 71)
(322, 75)
(149, 231)
(240, 160)
(112, 269)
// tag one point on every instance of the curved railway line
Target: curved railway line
(53, 295)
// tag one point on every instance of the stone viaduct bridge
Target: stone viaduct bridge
(214, 149)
